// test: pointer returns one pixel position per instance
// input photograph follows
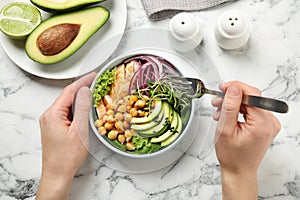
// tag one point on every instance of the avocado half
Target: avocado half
(89, 20)
(63, 5)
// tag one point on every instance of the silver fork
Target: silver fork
(195, 88)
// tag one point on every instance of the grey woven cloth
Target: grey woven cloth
(161, 9)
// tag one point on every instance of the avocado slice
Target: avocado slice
(168, 133)
(173, 137)
(162, 126)
(63, 5)
(81, 25)
(155, 112)
(148, 125)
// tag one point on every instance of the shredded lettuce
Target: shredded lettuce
(139, 141)
(143, 145)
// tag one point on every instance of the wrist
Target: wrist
(54, 187)
(239, 185)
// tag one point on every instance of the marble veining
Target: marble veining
(285, 82)
(270, 61)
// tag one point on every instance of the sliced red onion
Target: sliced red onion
(133, 81)
(150, 67)
(158, 64)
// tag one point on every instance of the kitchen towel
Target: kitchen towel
(161, 9)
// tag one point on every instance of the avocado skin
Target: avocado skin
(53, 9)
(34, 53)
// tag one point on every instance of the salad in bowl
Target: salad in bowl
(136, 110)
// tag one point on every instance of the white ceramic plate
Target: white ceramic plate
(72, 66)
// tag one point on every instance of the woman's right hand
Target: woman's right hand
(241, 146)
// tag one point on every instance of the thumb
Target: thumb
(230, 109)
(81, 113)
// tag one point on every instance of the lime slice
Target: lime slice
(17, 20)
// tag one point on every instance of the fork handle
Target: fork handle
(266, 103)
(258, 101)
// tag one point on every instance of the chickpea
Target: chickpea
(119, 116)
(130, 102)
(127, 132)
(122, 108)
(98, 123)
(121, 139)
(104, 119)
(121, 102)
(134, 98)
(126, 125)
(109, 126)
(112, 134)
(126, 99)
(127, 117)
(130, 146)
(133, 112)
(110, 112)
(128, 135)
(119, 126)
(128, 108)
(102, 130)
(139, 104)
(141, 113)
(114, 106)
(152, 104)
(108, 107)
(111, 119)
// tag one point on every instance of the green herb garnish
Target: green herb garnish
(165, 90)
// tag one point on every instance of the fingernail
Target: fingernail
(222, 86)
(233, 90)
(217, 101)
(216, 115)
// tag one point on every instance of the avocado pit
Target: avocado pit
(56, 38)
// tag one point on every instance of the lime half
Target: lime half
(17, 20)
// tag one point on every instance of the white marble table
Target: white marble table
(271, 62)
